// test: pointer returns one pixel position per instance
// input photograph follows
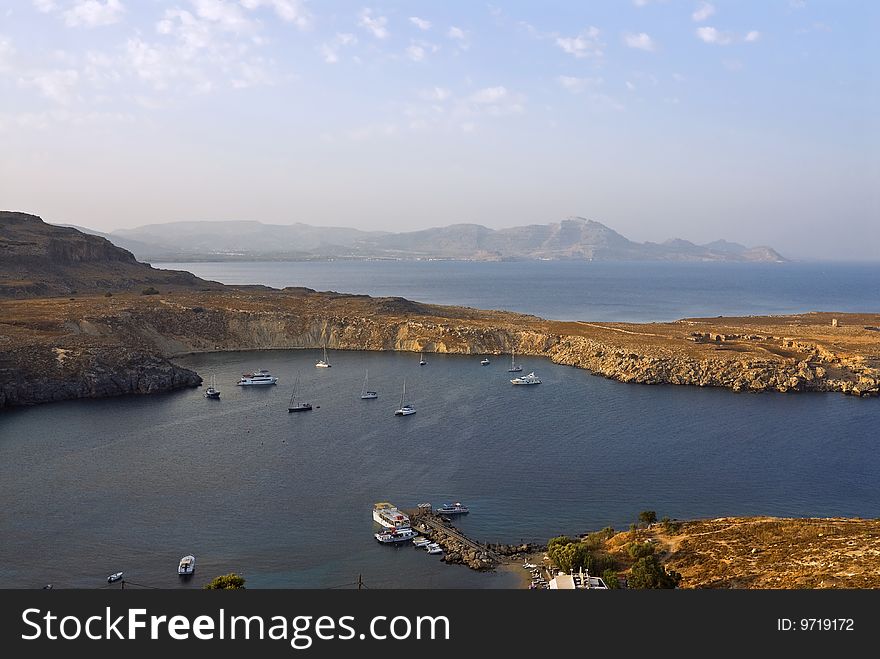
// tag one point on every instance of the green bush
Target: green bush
(648, 517)
(647, 572)
(229, 581)
(609, 576)
(149, 291)
(640, 549)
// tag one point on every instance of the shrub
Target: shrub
(149, 291)
(229, 581)
(640, 549)
(647, 572)
(609, 576)
(108, 294)
(647, 517)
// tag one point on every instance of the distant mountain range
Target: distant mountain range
(571, 239)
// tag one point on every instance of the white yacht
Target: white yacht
(261, 377)
(323, 363)
(405, 408)
(187, 565)
(514, 367)
(395, 535)
(531, 378)
(387, 515)
(484, 361)
(453, 509)
(422, 361)
(366, 394)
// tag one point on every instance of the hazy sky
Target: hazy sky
(752, 121)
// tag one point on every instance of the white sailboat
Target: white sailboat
(514, 367)
(323, 363)
(213, 392)
(405, 408)
(422, 361)
(365, 393)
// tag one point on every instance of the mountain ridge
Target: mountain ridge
(573, 238)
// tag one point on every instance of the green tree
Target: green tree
(229, 581)
(640, 549)
(648, 517)
(609, 576)
(648, 572)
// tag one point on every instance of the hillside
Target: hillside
(39, 260)
(570, 239)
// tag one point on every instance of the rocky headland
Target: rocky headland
(119, 330)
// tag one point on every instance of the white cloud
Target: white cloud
(226, 15)
(289, 11)
(436, 94)
(45, 6)
(630, 86)
(797, 4)
(577, 85)
(640, 41)
(489, 95)
(374, 24)
(586, 44)
(754, 35)
(704, 11)
(711, 35)
(330, 50)
(455, 33)
(6, 52)
(420, 23)
(57, 86)
(94, 13)
(415, 52)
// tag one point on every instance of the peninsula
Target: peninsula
(82, 318)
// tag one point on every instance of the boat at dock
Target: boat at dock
(187, 565)
(531, 378)
(387, 515)
(434, 548)
(393, 536)
(257, 378)
(421, 542)
(366, 394)
(452, 509)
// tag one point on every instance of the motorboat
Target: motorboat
(257, 378)
(187, 565)
(393, 536)
(452, 509)
(434, 548)
(531, 378)
(484, 361)
(116, 576)
(421, 542)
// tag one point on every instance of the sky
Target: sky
(755, 121)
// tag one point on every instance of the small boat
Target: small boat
(261, 377)
(484, 361)
(405, 409)
(323, 363)
(213, 392)
(187, 565)
(422, 361)
(392, 536)
(116, 576)
(453, 509)
(365, 393)
(514, 367)
(434, 548)
(293, 405)
(531, 378)
(421, 542)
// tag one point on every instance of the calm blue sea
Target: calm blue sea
(582, 290)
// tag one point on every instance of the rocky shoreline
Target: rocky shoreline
(90, 347)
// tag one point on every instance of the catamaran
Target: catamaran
(366, 394)
(405, 408)
(323, 363)
(514, 367)
(294, 406)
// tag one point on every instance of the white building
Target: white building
(579, 581)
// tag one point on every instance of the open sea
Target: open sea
(93, 487)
